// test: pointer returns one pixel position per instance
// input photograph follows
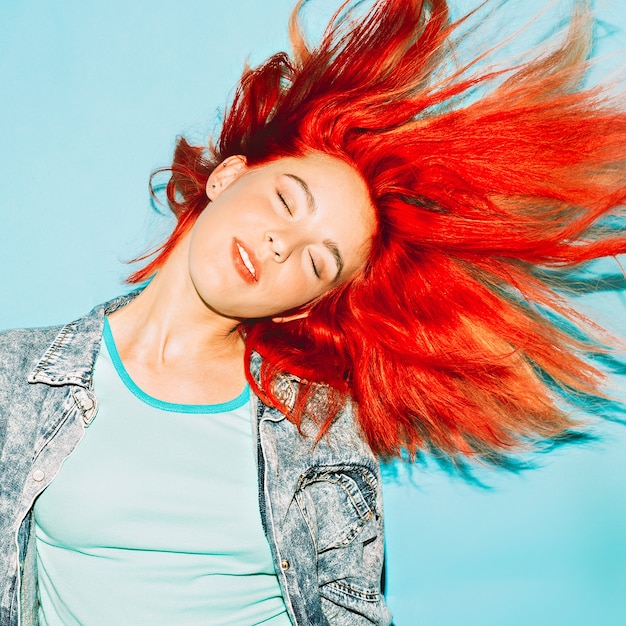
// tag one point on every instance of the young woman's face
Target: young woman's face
(279, 235)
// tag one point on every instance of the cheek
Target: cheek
(197, 256)
(208, 258)
(210, 235)
(293, 291)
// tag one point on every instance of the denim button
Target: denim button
(284, 564)
(86, 402)
(38, 475)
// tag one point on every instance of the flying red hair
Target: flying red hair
(449, 340)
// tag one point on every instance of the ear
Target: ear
(290, 318)
(227, 172)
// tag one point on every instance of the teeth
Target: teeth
(246, 260)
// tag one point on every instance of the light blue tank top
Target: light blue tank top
(154, 518)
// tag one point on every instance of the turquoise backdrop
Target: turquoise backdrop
(93, 95)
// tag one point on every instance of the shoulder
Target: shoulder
(328, 418)
(25, 338)
(345, 432)
(21, 348)
(55, 354)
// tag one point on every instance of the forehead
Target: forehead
(321, 164)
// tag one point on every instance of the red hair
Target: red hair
(451, 339)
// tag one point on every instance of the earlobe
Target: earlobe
(227, 172)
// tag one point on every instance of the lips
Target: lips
(245, 262)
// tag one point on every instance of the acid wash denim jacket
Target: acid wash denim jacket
(320, 503)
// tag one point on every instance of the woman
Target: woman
(360, 241)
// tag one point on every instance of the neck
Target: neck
(168, 318)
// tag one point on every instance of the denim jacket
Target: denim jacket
(320, 503)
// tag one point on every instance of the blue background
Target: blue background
(93, 95)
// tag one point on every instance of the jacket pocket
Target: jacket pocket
(342, 509)
(340, 506)
(338, 503)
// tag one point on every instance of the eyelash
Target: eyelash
(282, 199)
(315, 271)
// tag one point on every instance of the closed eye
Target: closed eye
(284, 202)
(315, 270)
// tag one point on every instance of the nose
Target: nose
(281, 244)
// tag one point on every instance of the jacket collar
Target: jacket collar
(71, 357)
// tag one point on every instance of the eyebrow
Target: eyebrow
(310, 200)
(312, 207)
(332, 246)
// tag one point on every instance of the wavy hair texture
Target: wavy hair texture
(454, 338)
